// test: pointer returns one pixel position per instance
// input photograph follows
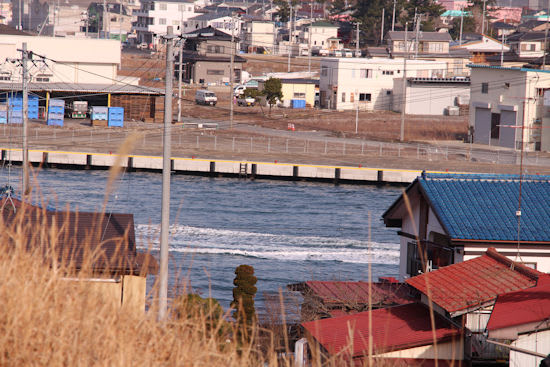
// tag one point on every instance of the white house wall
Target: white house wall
(537, 342)
(78, 60)
(343, 81)
(541, 263)
(447, 350)
(512, 89)
(428, 99)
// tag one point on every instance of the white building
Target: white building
(257, 35)
(321, 32)
(503, 100)
(155, 16)
(221, 21)
(367, 84)
(82, 61)
(431, 96)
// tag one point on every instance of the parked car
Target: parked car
(336, 53)
(143, 46)
(246, 101)
(357, 53)
(323, 52)
(239, 89)
(206, 97)
(347, 52)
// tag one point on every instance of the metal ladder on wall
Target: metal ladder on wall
(243, 170)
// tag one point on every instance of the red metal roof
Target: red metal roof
(393, 328)
(472, 283)
(351, 293)
(522, 307)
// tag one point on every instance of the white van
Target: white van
(206, 97)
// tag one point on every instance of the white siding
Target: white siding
(536, 342)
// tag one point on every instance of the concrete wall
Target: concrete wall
(447, 350)
(536, 342)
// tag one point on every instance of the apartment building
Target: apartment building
(155, 16)
(258, 35)
(367, 84)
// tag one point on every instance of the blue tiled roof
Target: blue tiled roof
(483, 206)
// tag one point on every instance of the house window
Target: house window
(387, 72)
(484, 88)
(299, 95)
(162, 21)
(324, 70)
(215, 49)
(190, 9)
(5, 77)
(365, 97)
(365, 73)
(181, 7)
(527, 47)
(214, 72)
(175, 22)
(162, 6)
(42, 78)
(343, 97)
(495, 125)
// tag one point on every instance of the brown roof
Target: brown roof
(103, 241)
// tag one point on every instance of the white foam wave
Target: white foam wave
(196, 240)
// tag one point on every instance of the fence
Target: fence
(205, 142)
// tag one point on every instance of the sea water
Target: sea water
(288, 231)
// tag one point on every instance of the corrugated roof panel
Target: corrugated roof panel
(393, 328)
(474, 282)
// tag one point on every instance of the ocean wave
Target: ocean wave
(197, 240)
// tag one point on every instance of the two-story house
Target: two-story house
(367, 83)
(206, 57)
(258, 35)
(155, 16)
(324, 35)
(525, 46)
(428, 46)
(509, 107)
(482, 48)
(445, 219)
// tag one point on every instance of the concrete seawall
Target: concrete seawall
(216, 167)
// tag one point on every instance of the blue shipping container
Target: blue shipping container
(298, 103)
(55, 122)
(116, 116)
(99, 113)
(57, 102)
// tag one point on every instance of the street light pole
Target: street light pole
(232, 71)
(393, 17)
(25, 121)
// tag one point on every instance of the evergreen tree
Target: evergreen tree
(243, 294)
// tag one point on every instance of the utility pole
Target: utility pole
(25, 120)
(104, 29)
(357, 38)
(382, 27)
(404, 88)
(180, 67)
(461, 24)
(20, 15)
(502, 51)
(120, 24)
(309, 38)
(393, 17)
(356, 111)
(166, 167)
(483, 18)
(545, 37)
(289, 35)
(416, 43)
(232, 70)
